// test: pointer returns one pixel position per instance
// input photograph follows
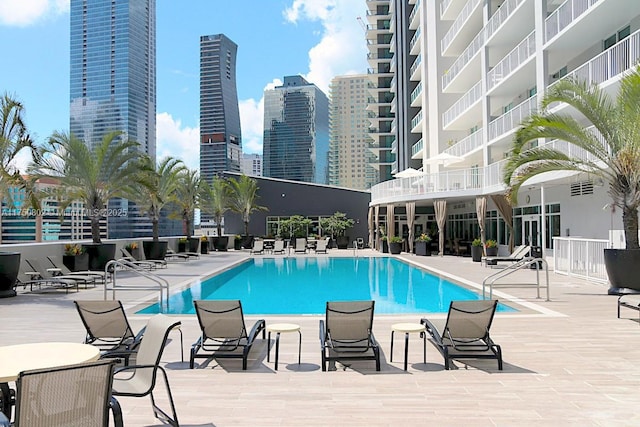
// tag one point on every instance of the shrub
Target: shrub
(73, 249)
(424, 238)
(183, 240)
(204, 238)
(131, 246)
(396, 239)
(476, 242)
(492, 244)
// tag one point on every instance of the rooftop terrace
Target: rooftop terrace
(568, 361)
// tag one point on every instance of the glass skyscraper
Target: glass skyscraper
(220, 133)
(296, 132)
(113, 79)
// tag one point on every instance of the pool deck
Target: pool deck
(568, 361)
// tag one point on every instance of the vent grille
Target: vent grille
(581, 188)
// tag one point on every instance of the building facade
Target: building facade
(113, 83)
(220, 133)
(251, 164)
(296, 132)
(473, 70)
(350, 157)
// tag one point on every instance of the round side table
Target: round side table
(282, 328)
(409, 328)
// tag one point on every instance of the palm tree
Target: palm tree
(155, 187)
(187, 196)
(244, 197)
(92, 175)
(612, 144)
(216, 200)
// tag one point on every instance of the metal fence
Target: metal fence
(580, 257)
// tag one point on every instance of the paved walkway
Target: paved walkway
(568, 361)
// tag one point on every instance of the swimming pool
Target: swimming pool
(303, 286)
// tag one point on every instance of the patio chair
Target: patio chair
(518, 254)
(301, 245)
(360, 243)
(321, 246)
(464, 334)
(75, 395)
(278, 247)
(148, 265)
(347, 333)
(224, 332)
(43, 273)
(139, 380)
(34, 279)
(258, 247)
(171, 254)
(57, 263)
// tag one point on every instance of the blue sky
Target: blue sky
(319, 39)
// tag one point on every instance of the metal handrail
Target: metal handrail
(524, 263)
(122, 264)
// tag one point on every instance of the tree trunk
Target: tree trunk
(246, 228)
(155, 229)
(630, 222)
(95, 229)
(219, 227)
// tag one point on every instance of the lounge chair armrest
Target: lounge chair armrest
(432, 330)
(259, 326)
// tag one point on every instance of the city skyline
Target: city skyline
(324, 39)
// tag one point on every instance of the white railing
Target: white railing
(579, 257)
(416, 119)
(565, 15)
(444, 5)
(417, 147)
(416, 92)
(415, 38)
(414, 11)
(512, 118)
(525, 50)
(466, 145)
(465, 57)
(463, 104)
(416, 64)
(613, 61)
(502, 14)
(461, 19)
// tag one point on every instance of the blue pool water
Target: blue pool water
(304, 285)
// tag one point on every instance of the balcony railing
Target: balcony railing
(415, 38)
(416, 119)
(466, 56)
(464, 103)
(525, 50)
(416, 64)
(444, 6)
(565, 15)
(416, 92)
(501, 15)
(466, 145)
(512, 118)
(458, 24)
(416, 7)
(417, 147)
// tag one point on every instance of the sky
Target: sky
(318, 39)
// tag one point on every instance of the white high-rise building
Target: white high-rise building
(350, 158)
(465, 74)
(251, 164)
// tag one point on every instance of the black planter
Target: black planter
(384, 246)
(99, 254)
(395, 248)
(182, 246)
(623, 269)
(204, 247)
(222, 243)
(247, 242)
(492, 251)
(9, 265)
(476, 253)
(76, 262)
(342, 242)
(237, 244)
(155, 250)
(194, 244)
(422, 248)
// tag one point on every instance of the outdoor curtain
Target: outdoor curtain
(481, 212)
(504, 207)
(376, 215)
(370, 225)
(440, 207)
(411, 214)
(390, 222)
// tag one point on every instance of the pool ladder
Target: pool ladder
(158, 283)
(526, 263)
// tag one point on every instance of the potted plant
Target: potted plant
(244, 199)
(75, 257)
(237, 242)
(182, 244)
(476, 250)
(337, 226)
(395, 245)
(491, 248)
(384, 245)
(608, 150)
(423, 245)
(134, 250)
(215, 200)
(204, 244)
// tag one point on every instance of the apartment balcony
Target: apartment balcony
(375, 58)
(465, 112)
(415, 95)
(579, 23)
(507, 123)
(467, 24)
(449, 9)
(414, 45)
(417, 149)
(516, 71)
(414, 16)
(466, 145)
(416, 122)
(374, 16)
(466, 69)
(414, 71)
(511, 21)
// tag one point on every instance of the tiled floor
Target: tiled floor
(568, 361)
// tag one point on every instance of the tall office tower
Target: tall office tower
(379, 39)
(474, 70)
(113, 81)
(251, 164)
(296, 132)
(350, 158)
(220, 134)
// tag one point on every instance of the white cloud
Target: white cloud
(172, 139)
(22, 13)
(342, 48)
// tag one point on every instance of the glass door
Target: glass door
(531, 230)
